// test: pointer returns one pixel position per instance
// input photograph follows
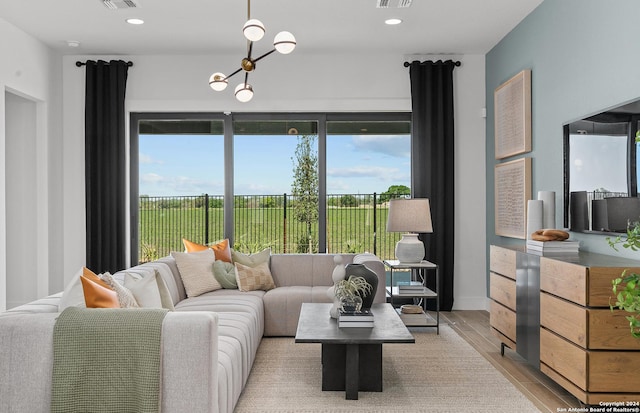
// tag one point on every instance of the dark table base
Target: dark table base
(352, 368)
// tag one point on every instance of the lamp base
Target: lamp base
(410, 249)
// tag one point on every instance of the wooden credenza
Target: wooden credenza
(583, 345)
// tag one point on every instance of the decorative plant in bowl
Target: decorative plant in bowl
(350, 292)
(627, 287)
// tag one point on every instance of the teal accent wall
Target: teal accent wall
(585, 57)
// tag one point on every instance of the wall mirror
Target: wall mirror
(600, 170)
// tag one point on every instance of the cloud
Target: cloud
(153, 184)
(147, 159)
(398, 146)
(380, 172)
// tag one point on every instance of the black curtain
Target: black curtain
(432, 164)
(105, 149)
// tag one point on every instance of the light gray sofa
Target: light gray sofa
(208, 344)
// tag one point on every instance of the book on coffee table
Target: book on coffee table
(362, 318)
(350, 324)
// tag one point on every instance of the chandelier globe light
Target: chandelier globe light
(218, 82)
(253, 30)
(244, 92)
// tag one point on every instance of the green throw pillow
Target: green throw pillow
(225, 274)
(251, 260)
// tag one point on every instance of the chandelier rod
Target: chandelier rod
(264, 55)
(248, 9)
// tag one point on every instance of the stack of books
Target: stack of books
(363, 318)
(560, 247)
(407, 287)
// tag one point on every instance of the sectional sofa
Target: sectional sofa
(209, 342)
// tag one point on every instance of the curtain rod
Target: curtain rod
(80, 64)
(456, 63)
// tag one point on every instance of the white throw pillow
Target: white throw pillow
(150, 290)
(196, 271)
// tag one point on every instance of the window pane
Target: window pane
(364, 158)
(264, 171)
(181, 167)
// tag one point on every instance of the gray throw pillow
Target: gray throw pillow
(225, 274)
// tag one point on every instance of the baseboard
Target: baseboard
(471, 303)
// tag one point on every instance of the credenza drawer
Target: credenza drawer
(588, 286)
(564, 279)
(609, 330)
(564, 318)
(503, 290)
(502, 261)
(503, 319)
(565, 358)
(591, 370)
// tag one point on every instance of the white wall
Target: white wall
(293, 83)
(30, 70)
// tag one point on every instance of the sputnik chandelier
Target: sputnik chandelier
(253, 30)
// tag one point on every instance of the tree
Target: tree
(348, 201)
(305, 185)
(394, 191)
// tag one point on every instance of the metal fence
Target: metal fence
(355, 223)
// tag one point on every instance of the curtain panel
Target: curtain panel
(432, 164)
(105, 149)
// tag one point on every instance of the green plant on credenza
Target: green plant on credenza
(626, 288)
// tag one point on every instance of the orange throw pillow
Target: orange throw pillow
(97, 294)
(221, 249)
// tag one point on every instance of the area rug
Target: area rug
(439, 373)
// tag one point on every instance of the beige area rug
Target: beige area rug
(436, 374)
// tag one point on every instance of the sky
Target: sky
(172, 165)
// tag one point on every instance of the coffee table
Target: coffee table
(351, 357)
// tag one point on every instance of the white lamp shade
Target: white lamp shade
(253, 30)
(218, 81)
(244, 92)
(409, 215)
(284, 42)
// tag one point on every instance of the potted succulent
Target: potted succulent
(350, 291)
(626, 288)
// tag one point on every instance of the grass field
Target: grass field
(349, 229)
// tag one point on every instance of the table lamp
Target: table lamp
(412, 216)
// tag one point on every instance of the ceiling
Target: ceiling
(215, 26)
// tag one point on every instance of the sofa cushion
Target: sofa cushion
(251, 260)
(282, 307)
(149, 289)
(254, 278)
(225, 273)
(196, 271)
(97, 294)
(221, 249)
(73, 294)
(125, 296)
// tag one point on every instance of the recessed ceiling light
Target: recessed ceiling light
(393, 22)
(73, 43)
(135, 21)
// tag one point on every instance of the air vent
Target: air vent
(120, 4)
(385, 4)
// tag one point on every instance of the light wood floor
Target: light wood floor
(473, 326)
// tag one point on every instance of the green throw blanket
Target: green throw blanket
(107, 360)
